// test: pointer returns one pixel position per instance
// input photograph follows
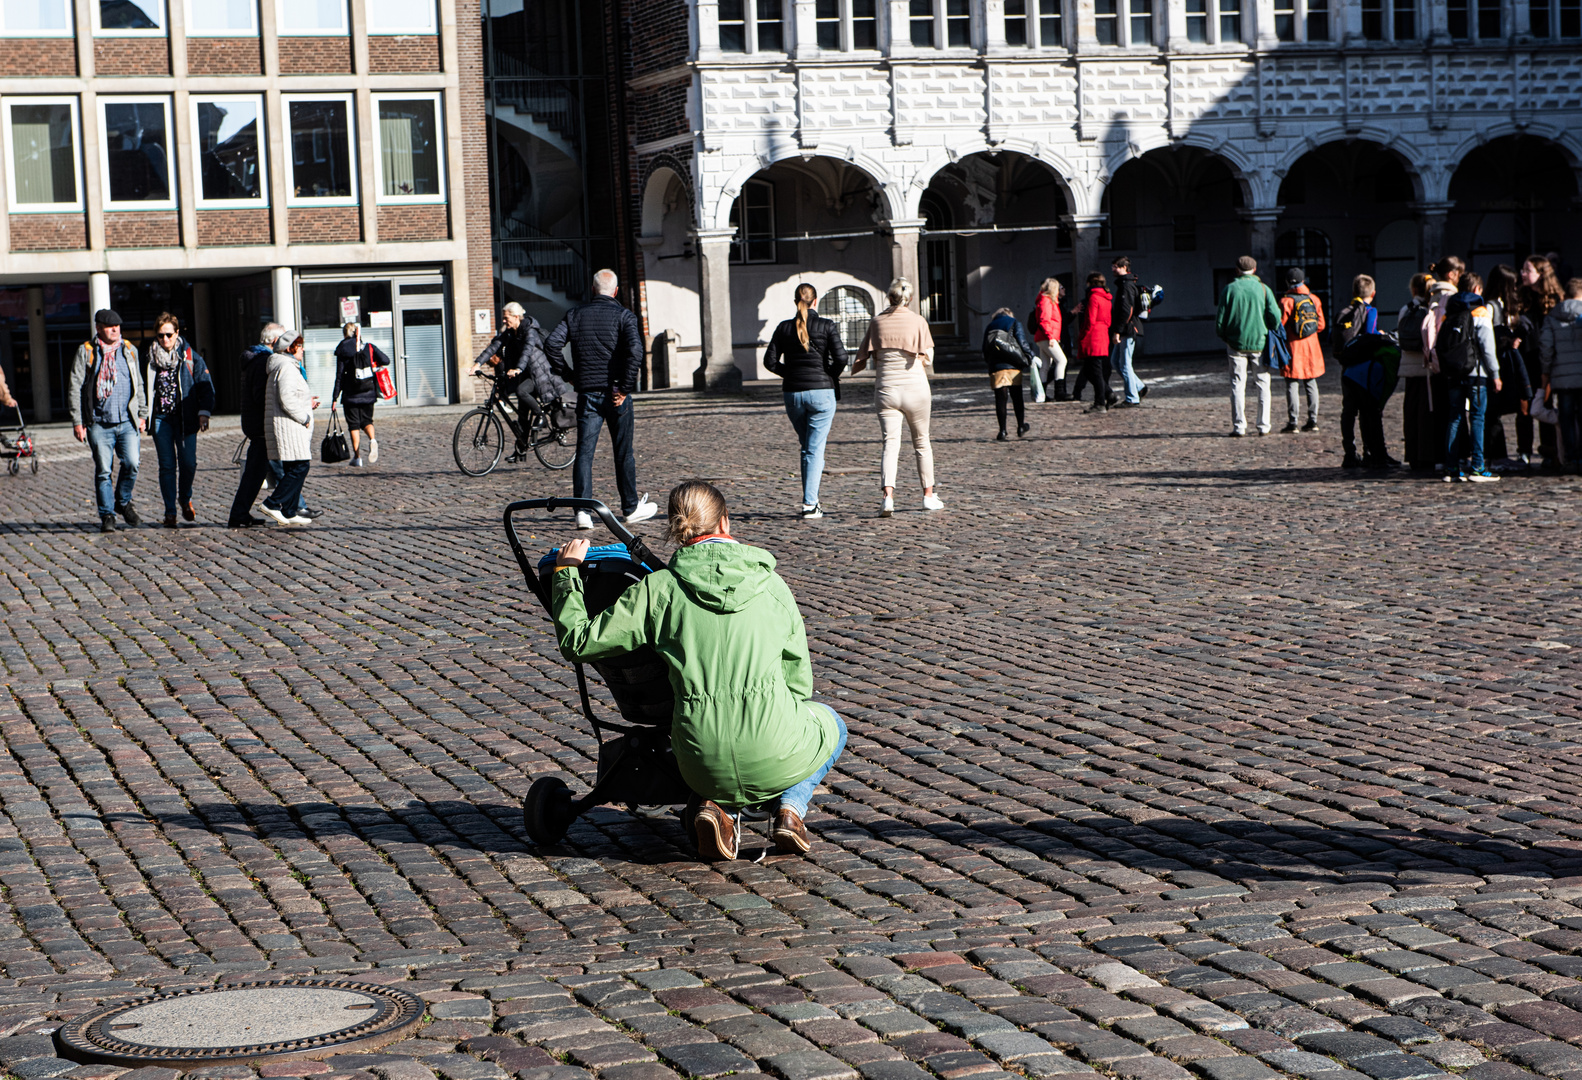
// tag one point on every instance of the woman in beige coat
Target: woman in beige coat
(901, 347)
(288, 428)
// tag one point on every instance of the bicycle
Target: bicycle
(479, 441)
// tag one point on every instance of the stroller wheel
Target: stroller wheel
(35, 464)
(546, 812)
(14, 467)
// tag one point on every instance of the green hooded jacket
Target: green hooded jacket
(729, 630)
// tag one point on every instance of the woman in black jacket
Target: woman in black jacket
(356, 386)
(807, 353)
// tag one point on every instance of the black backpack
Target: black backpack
(1002, 345)
(1304, 316)
(1453, 347)
(1409, 332)
(1349, 324)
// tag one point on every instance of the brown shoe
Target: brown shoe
(170, 521)
(716, 833)
(790, 835)
(188, 512)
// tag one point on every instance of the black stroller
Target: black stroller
(636, 766)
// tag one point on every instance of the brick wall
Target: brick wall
(315, 55)
(225, 56)
(324, 224)
(658, 34)
(131, 56)
(233, 228)
(388, 55)
(663, 113)
(407, 223)
(142, 229)
(475, 155)
(25, 57)
(49, 232)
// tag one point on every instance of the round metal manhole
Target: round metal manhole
(284, 1018)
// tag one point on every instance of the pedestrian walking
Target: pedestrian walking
(1540, 295)
(901, 347)
(1512, 331)
(607, 353)
(288, 428)
(1050, 370)
(1419, 426)
(1007, 353)
(180, 401)
(1094, 344)
(1358, 407)
(109, 413)
(1560, 354)
(357, 385)
(808, 355)
(1302, 312)
(256, 466)
(1464, 352)
(1126, 312)
(1247, 312)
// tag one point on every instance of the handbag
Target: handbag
(382, 377)
(333, 450)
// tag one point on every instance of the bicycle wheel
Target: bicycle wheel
(478, 442)
(554, 443)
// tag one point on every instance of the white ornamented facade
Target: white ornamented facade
(980, 146)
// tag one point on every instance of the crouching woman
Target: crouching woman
(746, 733)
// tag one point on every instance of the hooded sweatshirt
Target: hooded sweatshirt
(1560, 346)
(732, 639)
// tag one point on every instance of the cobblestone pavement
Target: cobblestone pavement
(1171, 754)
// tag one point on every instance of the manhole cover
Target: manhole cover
(297, 1018)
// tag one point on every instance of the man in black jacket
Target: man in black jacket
(1125, 328)
(607, 354)
(254, 381)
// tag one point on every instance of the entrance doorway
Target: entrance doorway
(404, 314)
(420, 339)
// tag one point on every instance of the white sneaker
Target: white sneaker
(356, 463)
(271, 512)
(933, 502)
(1038, 399)
(888, 508)
(299, 520)
(373, 451)
(812, 513)
(644, 510)
(584, 520)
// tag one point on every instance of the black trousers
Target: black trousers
(1356, 404)
(254, 468)
(1013, 395)
(1095, 371)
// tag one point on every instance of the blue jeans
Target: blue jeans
(1121, 361)
(811, 412)
(1474, 391)
(796, 796)
(287, 496)
(593, 412)
(121, 440)
(178, 460)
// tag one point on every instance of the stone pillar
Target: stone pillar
(804, 29)
(285, 297)
(719, 371)
(37, 351)
(98, 293)
(1260, 236)
(903, 255)
(1084, 246)
(1431, 223)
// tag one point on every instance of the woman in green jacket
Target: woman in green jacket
(745, 732)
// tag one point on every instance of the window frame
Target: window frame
(1474, 15)
(369, 6)
(749, 25)
(282, 30)
(846, 22)
(739, 256)
(1034, 16)
(163, 100)
(196, 155)
(1301, 15)
(69, 30)
(440, 136)
(162, 30)
(940, 19)
(8, 147)
(190, 32)
(287, 137)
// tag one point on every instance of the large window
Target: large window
(137, 163)
(847, 24)
(753, 218)
(227, 136)
(320, 167)
(1474, 20)
(851, 310)
(1142, 22)
(128, 16)
(751, 26)
(1389, 20)
(1301, 20)
(222, 18)
(41, 148)
(308, 17)
(939, 24)
(35, 18)
(1556, 18)
(1131, 22)
(408, 134)
(1034, 22)
(1106, 22)
(401, 17)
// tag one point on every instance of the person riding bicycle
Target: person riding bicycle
(518, 348)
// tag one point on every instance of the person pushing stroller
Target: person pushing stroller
(745, 732)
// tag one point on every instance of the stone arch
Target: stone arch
(890, 196)
(1419, 170)
(1067, 178)
(1513, 194)
(1242, 168)
(1177, 187)
(664, 175)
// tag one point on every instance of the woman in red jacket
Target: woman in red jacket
(1095, 343)
(1046, 339)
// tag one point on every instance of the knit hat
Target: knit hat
(1294, 276)
(286, 341)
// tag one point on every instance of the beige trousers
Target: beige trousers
(901, 392)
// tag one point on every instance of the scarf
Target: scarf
(166, 391)
(163, 359)
(106, 380)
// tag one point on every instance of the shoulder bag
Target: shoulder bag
(333, 450)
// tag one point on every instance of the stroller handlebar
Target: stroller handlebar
(639, 550)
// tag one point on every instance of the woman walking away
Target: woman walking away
(901, 346)
(806, 352)
(355, 361)
(1051, 369)
(1007, 353)
(288, 428)
(1095, 342)
(745, 731)
(1512, 331)
(1419, 426)
(1540, 295)
(181, 397)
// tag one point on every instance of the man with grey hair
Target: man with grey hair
(607, 354)
(254, 362)
(109, 412)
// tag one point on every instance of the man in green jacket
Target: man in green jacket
(745, 731)
(1247, 312)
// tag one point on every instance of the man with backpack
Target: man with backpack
(1354, 324)
(1462, 350)
(1247, 312)
(1127, 310)
(1303, 316)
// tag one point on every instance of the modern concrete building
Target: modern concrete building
(236, 161)
(979, 146)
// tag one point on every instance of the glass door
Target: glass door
(421, 366)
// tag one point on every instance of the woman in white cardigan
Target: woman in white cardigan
(288, 428)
